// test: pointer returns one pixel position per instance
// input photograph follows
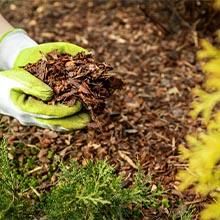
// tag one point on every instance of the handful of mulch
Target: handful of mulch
(75, 78)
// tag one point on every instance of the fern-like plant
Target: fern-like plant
(96, 192)
(93, 191)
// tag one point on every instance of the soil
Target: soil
(75, 78)
(145, 122)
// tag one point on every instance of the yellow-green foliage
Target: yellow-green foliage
(217, 4)
(203, 151)
(208, 97)
(203, 157)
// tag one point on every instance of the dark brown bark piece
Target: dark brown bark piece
(74, 78)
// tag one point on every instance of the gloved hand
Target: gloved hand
(19, 89)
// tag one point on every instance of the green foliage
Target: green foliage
(96, 192)
(12, 203)
(86, 192)
(184, 213)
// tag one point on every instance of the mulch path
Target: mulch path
(145, 121)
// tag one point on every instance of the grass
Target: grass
(184, 213)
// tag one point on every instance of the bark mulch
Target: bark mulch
(75, 78)
(145, 121)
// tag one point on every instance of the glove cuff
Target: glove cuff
(11, 44)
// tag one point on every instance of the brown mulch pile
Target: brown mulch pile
(145, 121)
(75, 78)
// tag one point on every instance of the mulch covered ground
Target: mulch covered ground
(145, 121)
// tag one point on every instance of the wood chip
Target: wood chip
(127, 159)
(75, 78)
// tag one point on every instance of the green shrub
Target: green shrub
(12, 202)
(96, 192)
(93, 191)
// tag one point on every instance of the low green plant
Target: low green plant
(12, 201)
(93, 191)
(184, 213)
(96, 192)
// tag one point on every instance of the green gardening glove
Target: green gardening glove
(19, 89)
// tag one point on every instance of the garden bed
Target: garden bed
(143, 123)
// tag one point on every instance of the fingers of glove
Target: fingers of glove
(21, 80)
(74, 122)
(38, 108)
(33, 54)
